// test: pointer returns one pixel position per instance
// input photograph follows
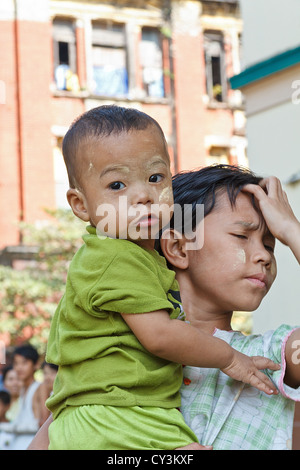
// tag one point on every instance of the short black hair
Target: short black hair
(5, 397)
(203, 185)
(52, 366)
(27, 351)
(101, 122)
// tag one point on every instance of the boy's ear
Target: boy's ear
(173, 246)
(77, 203)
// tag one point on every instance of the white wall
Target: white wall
(270, 27)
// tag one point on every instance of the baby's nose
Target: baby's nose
(142, 195)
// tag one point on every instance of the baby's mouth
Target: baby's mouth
(147, 220)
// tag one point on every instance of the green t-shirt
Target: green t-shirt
(100, 360)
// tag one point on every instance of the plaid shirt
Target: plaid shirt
(230, 415)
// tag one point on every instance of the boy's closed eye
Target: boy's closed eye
(242, 237)
(268, 244)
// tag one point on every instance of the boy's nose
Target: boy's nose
(263, 255)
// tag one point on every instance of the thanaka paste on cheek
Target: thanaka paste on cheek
(166, 196)
(240, 257)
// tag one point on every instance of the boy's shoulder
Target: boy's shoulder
(270, 343)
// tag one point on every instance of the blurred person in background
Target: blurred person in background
(26, 423)
(45, 390)
(5, 437)
(4, 405)
(12, 384)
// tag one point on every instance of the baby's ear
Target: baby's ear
(78, 205)
(173, 245)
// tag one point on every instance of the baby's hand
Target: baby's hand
(247, 369)
(275, 208)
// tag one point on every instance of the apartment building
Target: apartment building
(169, 58)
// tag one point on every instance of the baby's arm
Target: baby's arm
(277, 212)
(180, 342)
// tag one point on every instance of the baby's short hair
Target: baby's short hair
(101, 122)
(202, 187)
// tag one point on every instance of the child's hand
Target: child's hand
(277, 212)
(247, 369)
(275, 207)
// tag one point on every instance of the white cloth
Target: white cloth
(25, 425)
(232, 416)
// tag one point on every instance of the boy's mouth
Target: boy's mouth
(260, 280)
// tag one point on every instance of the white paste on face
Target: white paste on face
(240, 257)
(166, 195)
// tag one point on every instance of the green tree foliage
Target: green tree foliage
(29, 297)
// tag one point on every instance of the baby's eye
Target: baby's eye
(117, 185)
(155, 178)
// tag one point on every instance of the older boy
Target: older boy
(118, 335)
(234, 271)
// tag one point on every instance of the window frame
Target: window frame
(63, 31)
(108, 37)
(159, 42)
(213, 40)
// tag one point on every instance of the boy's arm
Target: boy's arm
(180, 342)
(41, 439)
(277, 212)
(292, 357)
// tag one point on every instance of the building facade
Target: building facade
(59, 58)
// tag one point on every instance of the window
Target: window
(64, 50)
(109, 60)
(151, 60)
(218, 155)
(216, 82)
